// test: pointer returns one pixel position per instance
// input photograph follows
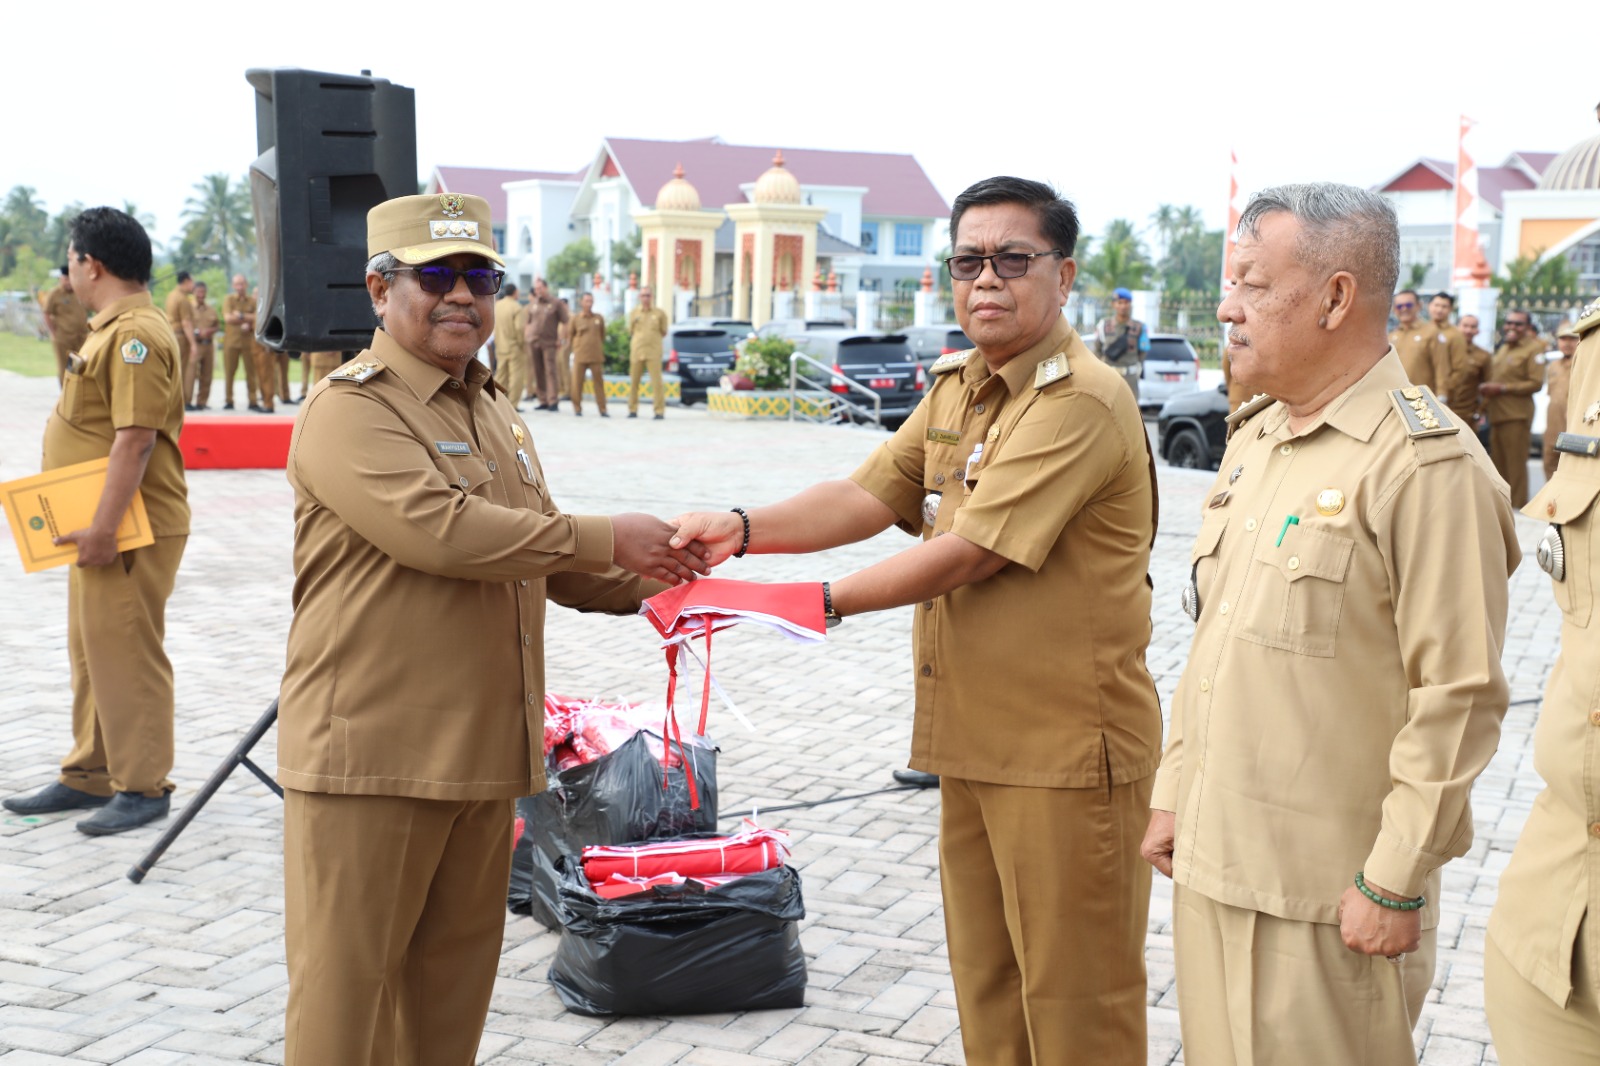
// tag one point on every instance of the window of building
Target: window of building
(526, 242)
(869, 238)
(907, 238)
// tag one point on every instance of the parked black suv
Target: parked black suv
(881, 362)
(699, 355)
(930, 342)
(1194, 430)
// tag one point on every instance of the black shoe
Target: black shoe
(190, 407)
(604, 415)
(289, 401)
(52, 798)
(256, 408)
(578, 414)
(660, 417)
(917, 778)
(633, 414)
(227, 407)
(127, 810)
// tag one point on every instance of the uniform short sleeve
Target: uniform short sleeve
(142, 373)
(894, 471)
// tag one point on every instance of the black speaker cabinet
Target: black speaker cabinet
(332, 146)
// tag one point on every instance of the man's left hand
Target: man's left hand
(95, 548)
(1373, 930)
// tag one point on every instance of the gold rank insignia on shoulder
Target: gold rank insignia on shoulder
(1259, 402)
(1055, 368)
(949, 361)
(1422, 413)
(357, 372)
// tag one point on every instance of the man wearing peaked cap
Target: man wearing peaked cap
(411, 712)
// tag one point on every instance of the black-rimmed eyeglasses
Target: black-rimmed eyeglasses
(438, 280)
(1006, 264)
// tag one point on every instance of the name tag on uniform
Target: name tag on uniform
(453, 447)
(944, 436)
(1578, 444)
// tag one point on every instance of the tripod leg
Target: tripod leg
(240, 754)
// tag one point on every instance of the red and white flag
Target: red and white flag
(1468, 256)
(1230, 236)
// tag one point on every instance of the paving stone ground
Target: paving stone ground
(188, 966)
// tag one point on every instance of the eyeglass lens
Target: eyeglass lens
(1006, 265)
(439, 280)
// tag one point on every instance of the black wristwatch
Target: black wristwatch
(830, 617)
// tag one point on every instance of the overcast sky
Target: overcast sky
(1123, 106)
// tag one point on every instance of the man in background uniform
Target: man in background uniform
(1413, 341)
(67, 322)
(1027, 474)
(546, 316)
(647, 332)
(412, 473)
(238, 322)
(266, 362)
(1122, 341)
(1515, 374)
(588, 354)
(205, 348)
(319, 365)
(180, 316)
(510, 346)
(1541, 969)
(122, 401)
(1557, 376)
(1344, 686)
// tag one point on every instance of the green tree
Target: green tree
(1416, 274)
(765, 361)
(1192, 268)
(22, 225)
(625, 256)
(217, 222)
(1120, 261)
(1528, 274)
(618, 344)
(59, 233)
(571, 265)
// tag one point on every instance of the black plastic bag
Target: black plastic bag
(680, 949)
(617, 799)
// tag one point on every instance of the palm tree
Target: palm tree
(59, 232)
(1120, 261)
(22, 223)
(144, 218)
(217, 219)
(1165, 219)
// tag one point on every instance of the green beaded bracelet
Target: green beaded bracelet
(1393, 904)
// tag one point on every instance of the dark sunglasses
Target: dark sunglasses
(438, 280)
(1404, 305)
(1006, 264)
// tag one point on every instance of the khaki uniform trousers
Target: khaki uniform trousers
(546, 357)
(282, 361)
(512, 374)
(122, 702)
(1529, 1028)
(394, 909)
(318, 366)
(1509, 445)
(1555, 420)
(1257, 990)
(232, 357)
(1045, 905)
(266, 361)
(595, 372)
(638, 366)
(198, 372)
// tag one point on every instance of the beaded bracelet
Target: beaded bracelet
(745, 518)
(1393, 904)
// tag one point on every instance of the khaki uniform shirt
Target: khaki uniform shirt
(1344, 685)
(1035, 676)
(130, 376)
(1108, 330)
(236, 335)
(545, 319)
(588, 338)
(647, 332)
(426, 543)
(1554, 875)
(1469, 366)
(205, 322)
(1421, 356)
(180, 316)
(69, 322)
(1520, 370)
(510, 319)
(1557, 382)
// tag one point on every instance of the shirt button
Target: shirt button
(927, 605)
(1287, 449)
(532, 698)
(938, 479)
(455, 384)
(957, 472)
(1594, 717)
(523, 582)
(977, 408)
(1223, 609)
(463, 482)
(926, 671)
(1294, 562)
(1205, 684)
(1595, 829)
(527, 639)
(1249, 525)
(492, 467)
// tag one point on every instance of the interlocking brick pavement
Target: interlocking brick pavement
(188, 966)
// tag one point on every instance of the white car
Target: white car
(1170, 368)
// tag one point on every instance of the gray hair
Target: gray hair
(384, 265)
(1342, 227)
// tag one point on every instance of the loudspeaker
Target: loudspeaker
(332, 146)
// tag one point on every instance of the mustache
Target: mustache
(1239, 337)
(439, 314)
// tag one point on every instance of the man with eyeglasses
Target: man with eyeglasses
(411, 712)
(1413, 341)
(1516, 372)
(1026, 472)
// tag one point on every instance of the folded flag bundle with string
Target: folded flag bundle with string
(624, 870)
(700, 608)
(579, 731)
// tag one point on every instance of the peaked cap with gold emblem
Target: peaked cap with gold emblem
(420, 229)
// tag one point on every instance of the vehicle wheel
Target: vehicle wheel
(1187, 449)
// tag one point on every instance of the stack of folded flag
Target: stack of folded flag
(614, 872)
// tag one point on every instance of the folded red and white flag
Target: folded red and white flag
(751, 851)
(686, 610)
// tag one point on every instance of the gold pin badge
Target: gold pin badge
(516, 431)
(1330, 502)
(1592, 412)
(1412, 393)
(994, 434)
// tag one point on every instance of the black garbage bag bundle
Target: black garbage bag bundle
(617, 799)
(680, 949)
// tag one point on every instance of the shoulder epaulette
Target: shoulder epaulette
(1589, 319)
(1423, 414)
(365, 370)
(1056, 368)
(1259, 402)
(949, 361)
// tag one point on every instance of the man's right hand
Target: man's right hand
(645, 544)
(1158, 840)
(721, 532)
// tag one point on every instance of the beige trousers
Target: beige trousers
(596, 372)
(1529, 1028)
(1257, 990)
(393, 913)
(548, 379)
(638, 367)
(1045, 905)
(512, 373)
(122, 701)
(232, 359)
(1509, 444)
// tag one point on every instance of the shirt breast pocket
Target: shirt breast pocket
(1567, 502)
(1297, 593)
(71, 402)
(469, 474)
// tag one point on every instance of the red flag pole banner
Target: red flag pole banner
(1230, 236)
(1467, 260)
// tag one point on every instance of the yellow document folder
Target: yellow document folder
(44, 506)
